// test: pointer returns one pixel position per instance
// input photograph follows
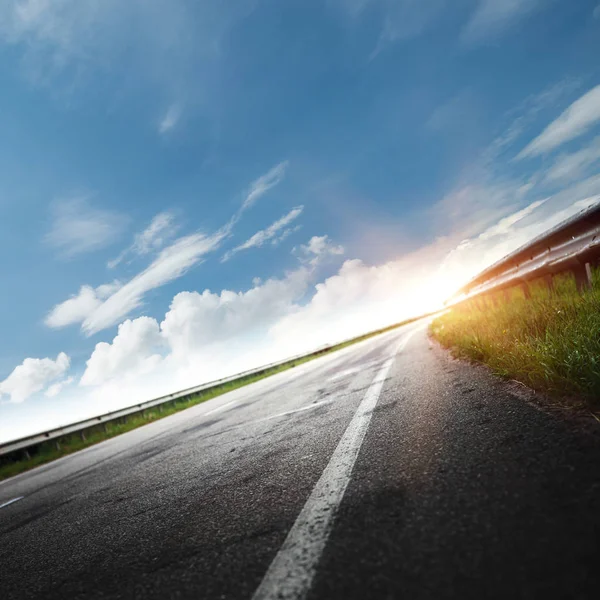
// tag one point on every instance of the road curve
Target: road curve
(385, 470)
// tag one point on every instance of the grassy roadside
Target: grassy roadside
(550, 343)
(19, 462)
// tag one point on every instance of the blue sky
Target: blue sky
(192, 188)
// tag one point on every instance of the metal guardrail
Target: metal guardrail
(572, 246)
(53, 434)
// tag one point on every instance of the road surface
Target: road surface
(385, 470)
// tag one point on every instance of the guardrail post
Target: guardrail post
(57, 445)
(82, 436)
(526, 290)
(549, 282)
(583, 277)
(588, 273)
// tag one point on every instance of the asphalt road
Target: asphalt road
(386, 470)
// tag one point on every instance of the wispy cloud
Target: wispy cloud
(579, 118)
(163, 42)
(524, 115)
(159, 231)
(78, 227)
(264, 183)
(493, 17)
(78, 307)
(568, 167)
(96, 310)
(170, 118)
(284, 235)
(258, 188)
(171, 263)
(264, 235)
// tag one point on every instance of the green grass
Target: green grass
(550, 342)
(19, 462)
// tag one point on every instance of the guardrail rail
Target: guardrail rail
(573, 246)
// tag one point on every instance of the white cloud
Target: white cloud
(56, 388)
(569, 167)
(405, 19)
(402, 19)
(169, 119)
(132, 352)
(161, 229)
(264, 235)
(32, 376)
(264, 183)
(505, 225)
(195, 320)
(285, 234)
(596, 13)
(78, 227)
(579, 118)
(317, 249)
(163, 43)
(526, 113)
(492, 17)
(171, 263)
(78, 307)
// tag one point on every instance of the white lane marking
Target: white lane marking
(222, 407)
(291, 573)
(11, 501)
(296, 410)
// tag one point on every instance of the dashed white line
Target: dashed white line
(11, 501)
(292, 571)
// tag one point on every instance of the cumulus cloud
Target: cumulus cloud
(78, 227)
(78, 307)
(196, 320)
(270, 233)
(579, 118)
(56, 388)
(159, 231)
(317, 249)
(32, 376)
(132, 352)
